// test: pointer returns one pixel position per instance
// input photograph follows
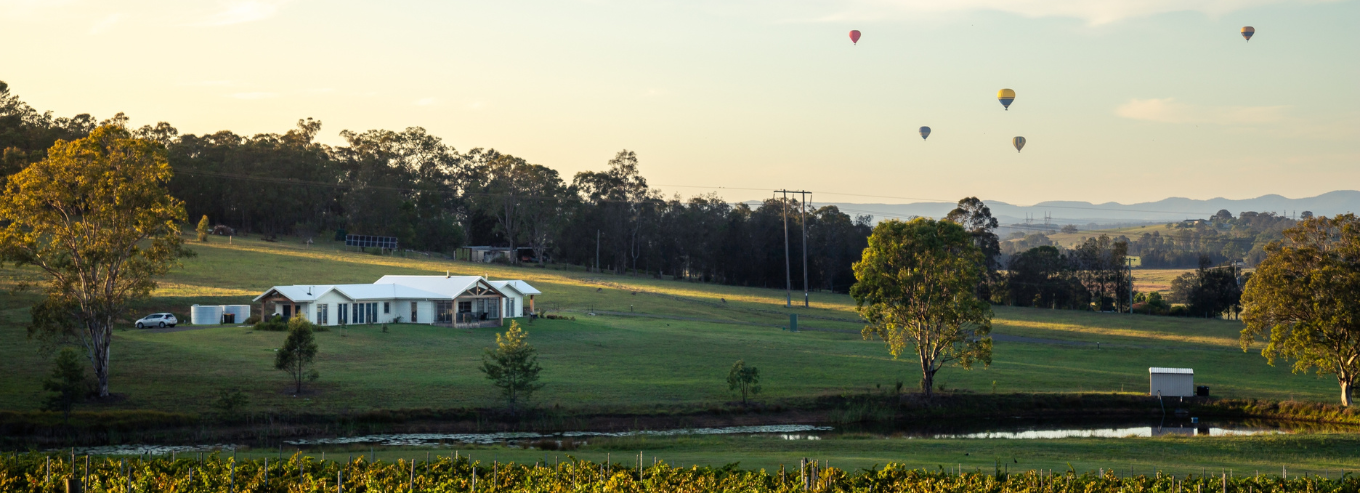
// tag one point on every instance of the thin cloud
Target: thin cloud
(241, 12)
(253, 95)
(1168, 110)
(104, 24)
(1092, 11)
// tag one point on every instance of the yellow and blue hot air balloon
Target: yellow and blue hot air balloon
(1247, 31)
(925, 132)
(1019, 143)
(1006, 96)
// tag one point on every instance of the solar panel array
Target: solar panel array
(365, 241)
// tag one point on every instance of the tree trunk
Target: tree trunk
(927, 379)
(99, 356)
(1346, 387)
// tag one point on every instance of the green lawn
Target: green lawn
(604, 361)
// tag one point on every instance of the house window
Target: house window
(343, 316)
(464, 307)
(322, 317)
(387, 307)
(287, 311)
(413, 312)
(444, 312)
(373, 313)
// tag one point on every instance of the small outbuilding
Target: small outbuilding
(1171, 382)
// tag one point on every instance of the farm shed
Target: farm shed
(1171, 382)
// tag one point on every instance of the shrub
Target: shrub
(272, 324)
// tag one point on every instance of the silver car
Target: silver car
(161, 320)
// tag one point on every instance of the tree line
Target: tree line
(434, 198)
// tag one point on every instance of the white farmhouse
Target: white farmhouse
(456, 301)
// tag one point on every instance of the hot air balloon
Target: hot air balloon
(1019, 143)
(1006, 96)
(925, 132)
(1247, 31)
(854, 37)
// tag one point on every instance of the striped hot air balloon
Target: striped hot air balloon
(854, 37)
(925, 132)
(1006, 96)
(1247, 31)
(1019, 143)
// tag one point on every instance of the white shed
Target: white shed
(1171, 382)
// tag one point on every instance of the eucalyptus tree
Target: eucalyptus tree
(97, 218)
(917, 287)
(1305, 299)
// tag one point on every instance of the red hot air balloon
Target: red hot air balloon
(854, 37)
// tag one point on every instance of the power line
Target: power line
(340, 185)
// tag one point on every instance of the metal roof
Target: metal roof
(521, 286)
(1181, 371)
(398, 287)
(303, 293)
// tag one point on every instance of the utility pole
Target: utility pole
(597, 251)
(802, 215)
(788, 275)
(1129, 262)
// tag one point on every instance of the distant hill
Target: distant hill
(1111, 213)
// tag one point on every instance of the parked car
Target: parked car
(161, 320)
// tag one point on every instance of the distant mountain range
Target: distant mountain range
(1112, 213)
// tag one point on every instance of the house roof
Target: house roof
(521, 286)
(399, 287)
(302, 293)
(1181, 371)
(447, 286)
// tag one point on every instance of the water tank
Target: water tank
(240, 312)
(205, 314)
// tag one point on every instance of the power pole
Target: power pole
(803, 217)
(1129, 261)
(788, 277)
(597, 251)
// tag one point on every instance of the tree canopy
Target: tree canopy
(917, 287)
(97, 218)
(1305, 298)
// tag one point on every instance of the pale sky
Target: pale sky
(1120, 100)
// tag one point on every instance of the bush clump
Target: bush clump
(272, 324)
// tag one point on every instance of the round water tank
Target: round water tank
(205, 314)
(240, 312)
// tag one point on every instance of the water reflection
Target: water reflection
(1143, 431)
(403, 439)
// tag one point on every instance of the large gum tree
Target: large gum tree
(1306, 297)
(917, 287)
(96, 216)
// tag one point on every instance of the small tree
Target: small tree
(203, 228)
(297, 353)
(743, 378)
(513, 366)
(917, 288)
(67, 381)
(1306, 295)
(230, 400)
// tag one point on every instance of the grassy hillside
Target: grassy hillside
(652, 343)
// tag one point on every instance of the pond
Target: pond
(954, 429)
